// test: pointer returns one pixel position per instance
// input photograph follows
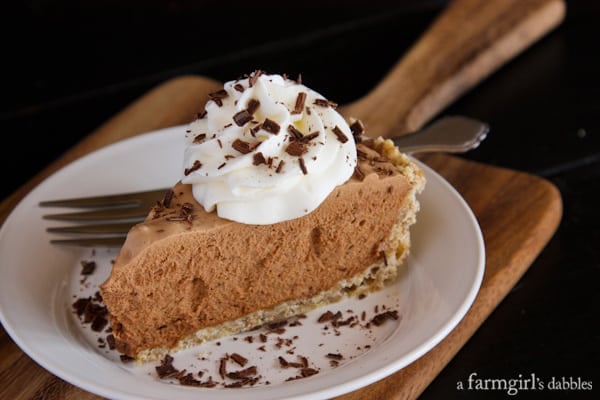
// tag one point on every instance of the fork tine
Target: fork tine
(114, 241)
(108, 200)
(98, 229)
(131, 208)
(136, 213)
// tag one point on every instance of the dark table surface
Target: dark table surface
(69, 66)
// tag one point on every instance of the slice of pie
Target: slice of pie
(202, 266)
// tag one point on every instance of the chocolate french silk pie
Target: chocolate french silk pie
(282, 206)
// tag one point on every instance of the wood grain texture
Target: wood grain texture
(463, 46)
(518, 213)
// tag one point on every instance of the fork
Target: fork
(109, 218)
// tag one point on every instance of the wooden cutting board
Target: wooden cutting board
(518, 213)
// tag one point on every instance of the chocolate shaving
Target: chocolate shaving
(223, 367)
(187, 208)
(300, 100)
(241, 360)
(287, 364)
(296, 134)
(327, 316)
(358, 173)
(201, 114)
(244, 382)
(310, 136)
(195, 166)
(166, 368)
(341, 136)
(199, 138)
(330, 316)
(258, 159)
(241, 118)
(357, 128)
(380, 319)
(253, 105)
(185, 213)
(277, 324)
(306, 372)
(125, 358)
(337, 323)
(255, 129)
(304, 361)
(254, 77)
(88, 267)
(302, 166)
(189, 380)
(280, 166)
(270, 126)
(243, 374)
(90, 312)
(99, 323)
(239, 87)
(242, 146)
(94, 311)
(283, 362)
(325, 103)
(168, 198)
(296, 149)
(334, 356)
(218, 96)
(278, 331)
(110, 339)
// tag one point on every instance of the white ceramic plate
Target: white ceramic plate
(39, 282)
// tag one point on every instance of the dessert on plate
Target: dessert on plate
(283, 205)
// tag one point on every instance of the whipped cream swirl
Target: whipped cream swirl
(267, 149)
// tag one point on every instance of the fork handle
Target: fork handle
(467, 42)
